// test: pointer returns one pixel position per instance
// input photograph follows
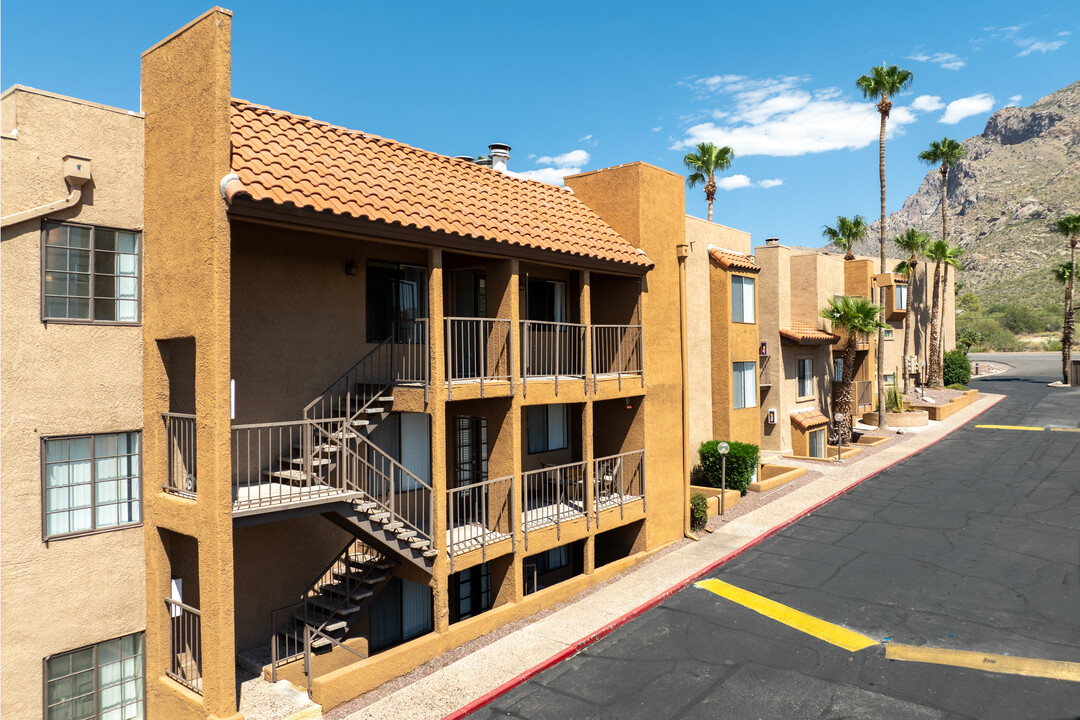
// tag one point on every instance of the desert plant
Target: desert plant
(699, 511)
(846, 234)
(858, 318)
(1069, 226)
(742, 461)
(968, 338)
(956, 386)
(704, 164)
(914, 243)
(956, 368)
(894, 399)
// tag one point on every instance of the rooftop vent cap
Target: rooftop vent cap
(466, 158)
(500, 155)
(772, 241)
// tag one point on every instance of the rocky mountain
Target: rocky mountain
(1019, 176)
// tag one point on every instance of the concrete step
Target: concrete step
(317, 619)
(364, 506)
(358, 592)
(379, 517)
(404, 534)
(292, 476)
(315, 462)
(371, 561)
(331, 607)
(420, 544)
(374, 411)
(360, 423)
(430, 553)
(393, 526)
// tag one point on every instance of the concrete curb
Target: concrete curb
(584, 642)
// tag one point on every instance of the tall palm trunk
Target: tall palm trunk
(883, 109)
(937, 379)
(710, 194)
(940, 379)
(933, 361)
(1067, 331)
(844, 402)
(909, 319)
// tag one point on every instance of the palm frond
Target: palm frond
(912, 242)
(1069, 226)
(1062, 272)
(854, 315)
(946, 151)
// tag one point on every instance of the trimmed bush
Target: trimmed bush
(956, 386)
(699, 511)
(742, 461)
(957, 368)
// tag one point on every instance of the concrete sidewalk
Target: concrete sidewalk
(497, 667)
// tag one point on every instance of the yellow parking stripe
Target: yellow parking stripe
(1033, 667)
(834, 634)
(1010, 427)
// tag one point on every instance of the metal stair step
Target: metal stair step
(331, 607)
(291, 475)
(316, 620)
(319, 462)
(358, 593)
(371, 561)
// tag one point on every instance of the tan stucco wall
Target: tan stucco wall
(185, 95)
(699, 333)
(61, 379)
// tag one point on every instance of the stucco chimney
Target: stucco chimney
(772, 241)
(500, 155)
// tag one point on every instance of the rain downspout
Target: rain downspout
(76, 174)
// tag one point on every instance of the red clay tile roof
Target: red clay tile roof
(294, 160)
(804, 334)
(729, 259)
(809, 418)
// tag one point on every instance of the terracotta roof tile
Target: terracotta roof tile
(809, 418)
(290, 159)
(804, 334)
(729, 259)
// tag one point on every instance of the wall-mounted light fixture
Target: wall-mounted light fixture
(351, 269)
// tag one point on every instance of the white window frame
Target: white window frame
(809, 378)
(900, 297)
(810, 437)
(744, 385)
(742, 299)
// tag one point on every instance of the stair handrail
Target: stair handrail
(355, 486)
(308, 633)
(344, 376)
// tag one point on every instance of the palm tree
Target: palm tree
(704, 164)
(858, 318)
(940, 253)
(881, 84)
(1069, 226)
(914, 243)
(947, 153)
(847, 232)
(951, 260)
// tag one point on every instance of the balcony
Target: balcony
(185, 656)
(180, 476)
(480, 515)
(478, 351)
(618, 481)
(617, 353)
(553, 496)
(553, 352)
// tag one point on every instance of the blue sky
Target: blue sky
(580, 86)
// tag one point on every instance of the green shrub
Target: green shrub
(742, 461)
(1053, 345)
(894, 397)
(1021, 319)
(699, 511)
(956, 369)
(956, 386)
(993, 335)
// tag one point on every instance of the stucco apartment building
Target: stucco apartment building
(303, 387)
(801, 357)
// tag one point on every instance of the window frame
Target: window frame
(94, 646)
(890, 333)
(799, 360)
(45, 536)
(897, 294)
(422, 303)
(742, 281)
(45, 223)
(838, 377)
(749, 368)
(547, 427)
(810, 435)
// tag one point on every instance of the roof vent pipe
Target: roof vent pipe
(772, 241)
(466, 158)
(500, 155)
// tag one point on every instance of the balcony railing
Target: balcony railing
(479, 514)
(478, 350)
(616, 351)
(617, 481)
(553, 496)
(552, 350)
(180, 476)
(185, 656)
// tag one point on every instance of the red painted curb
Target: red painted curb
(584, 642)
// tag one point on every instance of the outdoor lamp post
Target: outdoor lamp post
(723, 448)
(840, 417)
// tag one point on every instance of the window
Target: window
(473, 592)
(838, 369)
(890, 379)
(91, 482)
(396, 295)
(104, 681)
(545, 300)
(547, 427)
(742, 299)
(817, 443)
(402, 611)
(745, 385)
(806, 376)
(90, 274)
(901, 297)
(888, 333)
(536, 566)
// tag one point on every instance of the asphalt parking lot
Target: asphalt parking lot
(970, 549)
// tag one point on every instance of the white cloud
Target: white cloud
(658, 128)
(587, 137)
(549, 175)
(779, 117)
(1014, 101)
(966, 107)
(733, 182)
(572, 158)
(1031, 45)
(775, 182)
(949, 61)
(1063, 33)
(927, 103)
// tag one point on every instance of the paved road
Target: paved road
(972, 545)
